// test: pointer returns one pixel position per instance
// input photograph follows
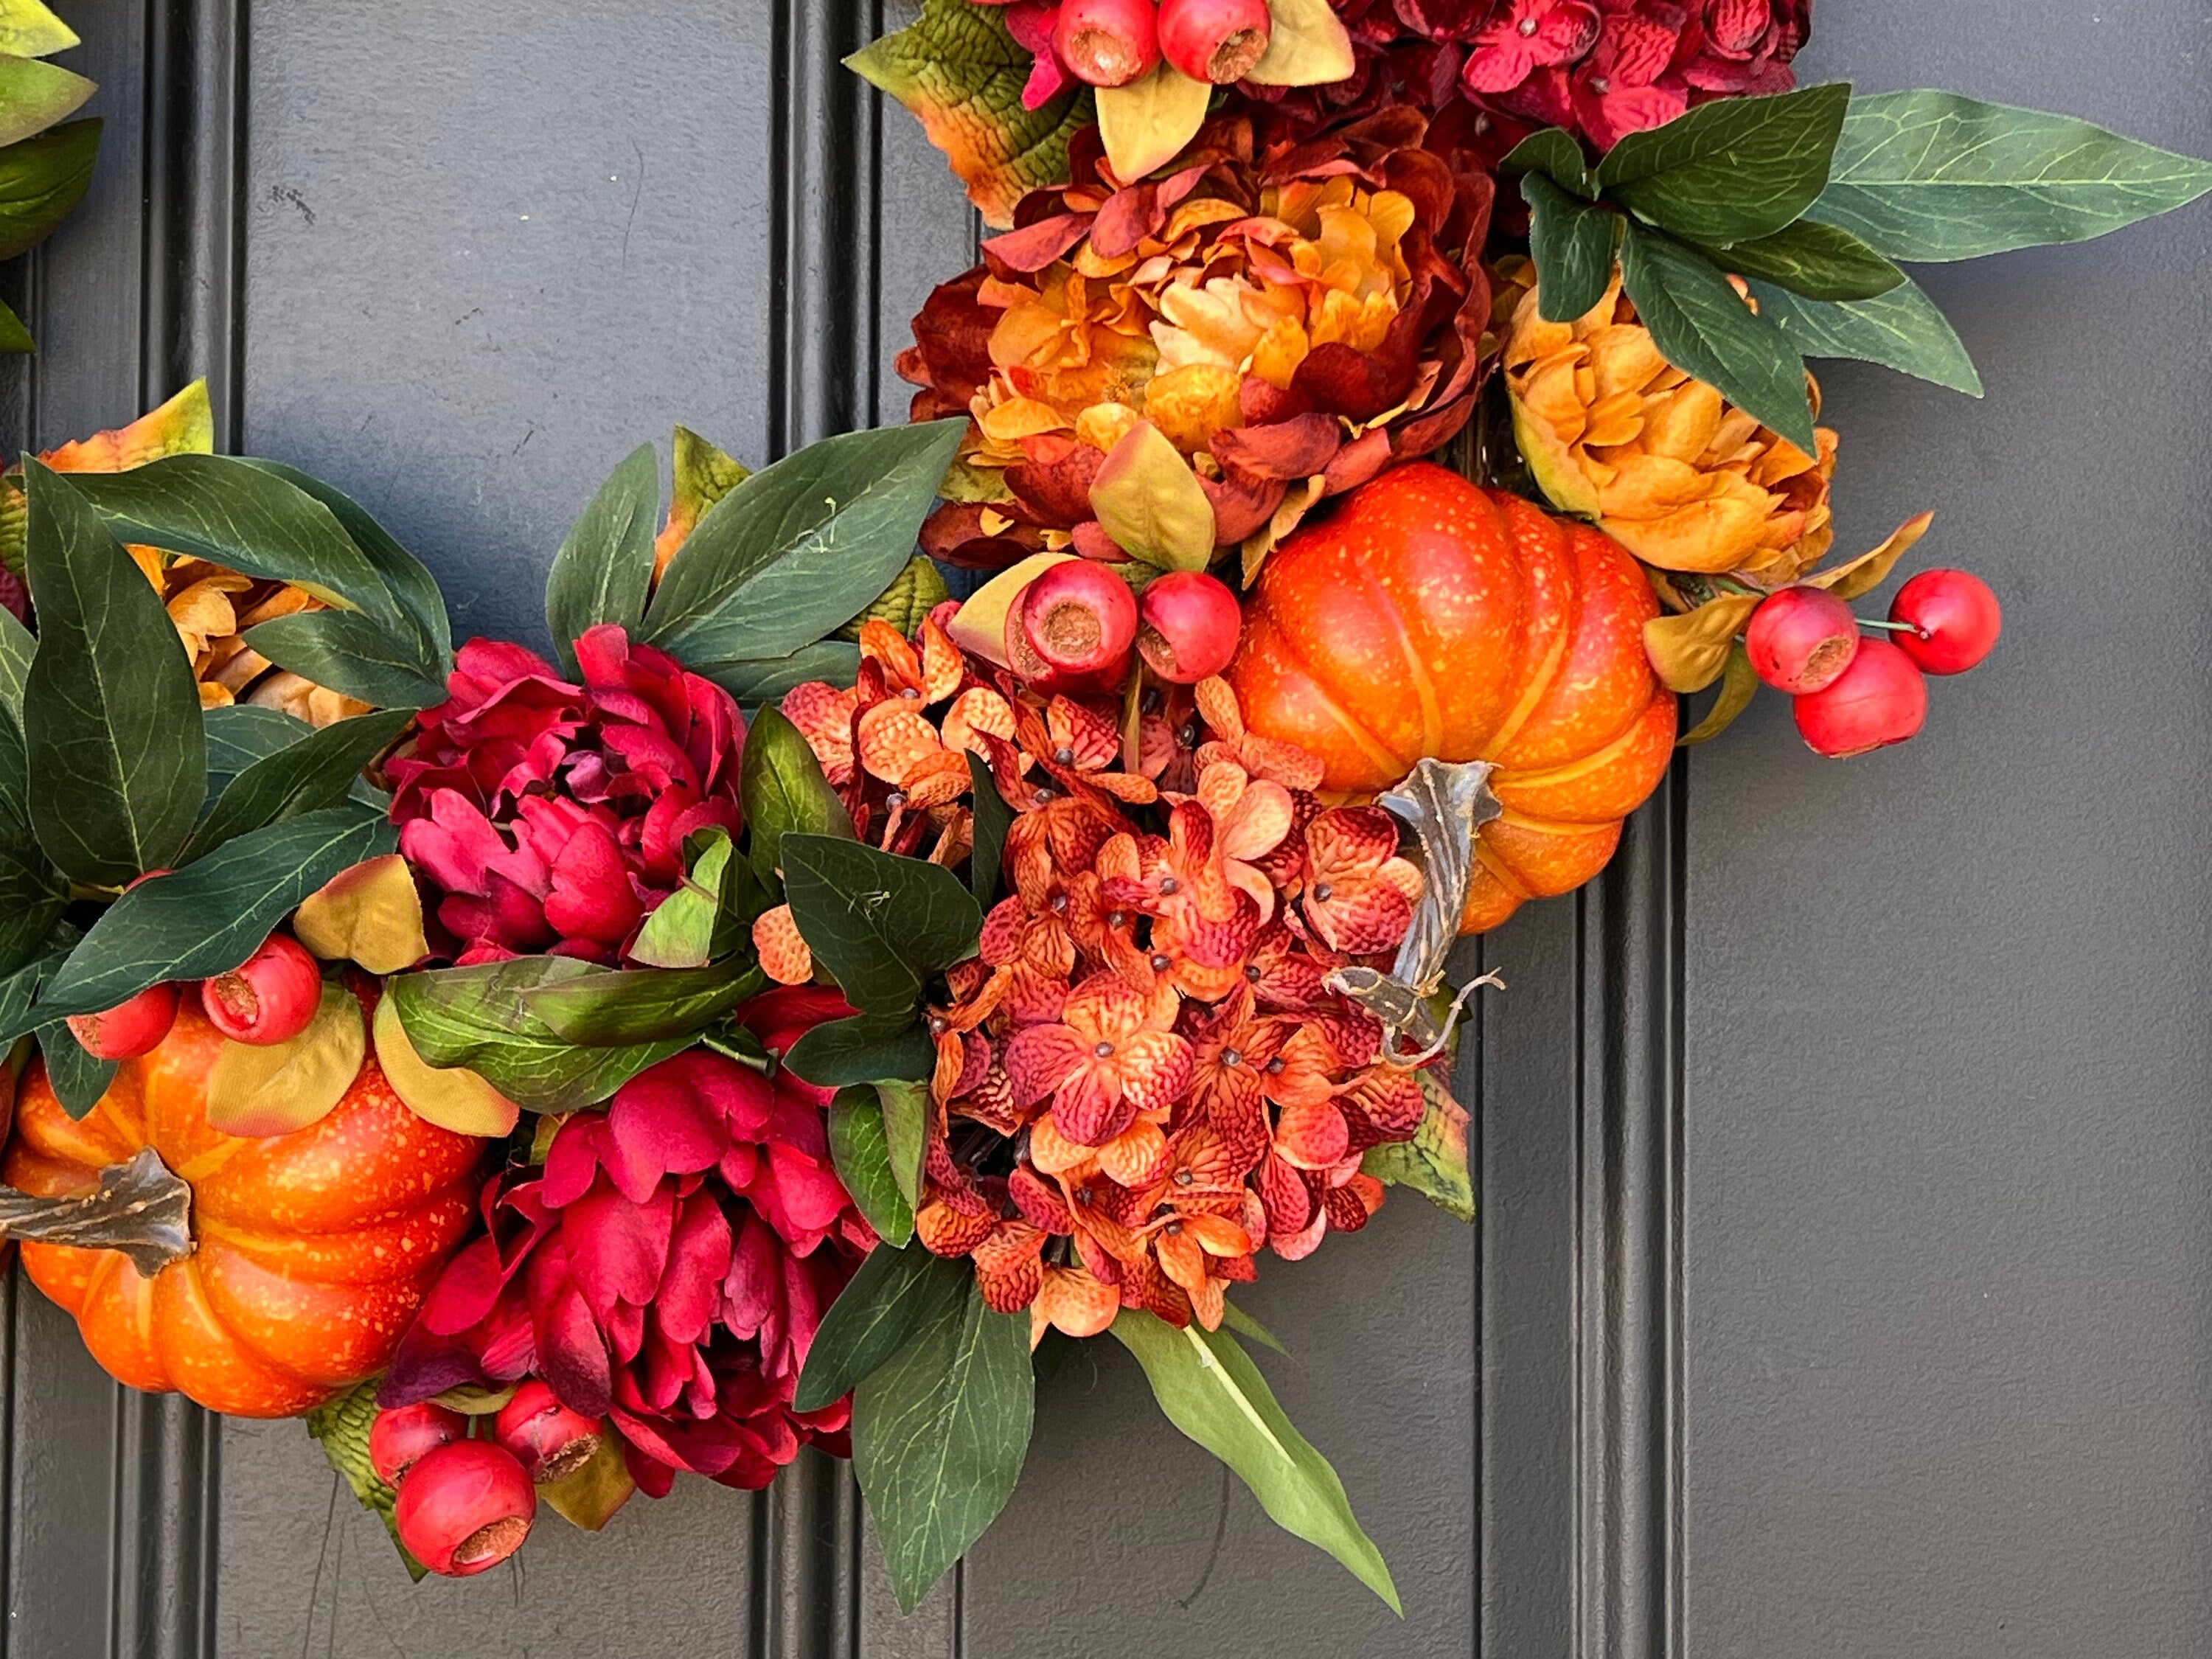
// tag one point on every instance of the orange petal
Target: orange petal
(1071, 1300)
(977, 711)
(1136, 1157)
(784, 956)
(893, 738)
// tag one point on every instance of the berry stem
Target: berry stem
(1892, 627)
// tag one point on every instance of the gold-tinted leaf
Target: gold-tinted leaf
(1870, 570)
(979, 628)
(1738, 684)
(259, 1092)
(1150, 502)
(588, 1497)
(1147, 123)
(915, 592)
(371, 914)
(472, 1401)
(1310, 47)
(1689, 652)
(455, 1099)
(703, 476)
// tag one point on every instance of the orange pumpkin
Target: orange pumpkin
(311, 1249)
(1427, 616)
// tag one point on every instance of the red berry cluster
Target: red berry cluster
(1110, 43)
(1855, 693)
(267, 999)
(464, 1505)
(1072, 630)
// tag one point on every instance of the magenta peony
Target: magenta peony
(548, 816)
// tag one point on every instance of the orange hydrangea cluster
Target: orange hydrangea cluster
(1142, 1078)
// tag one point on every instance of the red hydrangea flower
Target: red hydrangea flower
(546, 816)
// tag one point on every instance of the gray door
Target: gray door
(1844, 1152)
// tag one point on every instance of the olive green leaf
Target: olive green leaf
(111, 716)
(17, 647)
(994, 817)
(784, 790)
(702, 475)
(1209, 1389)
(1901, 329)
(883, 926)
(605, 567)
(1928, 175)
(41, 181)
(1738, 684)
(341, 1427)
(34, 95)
(1809, 258)
(14, 337)
(862, 1150)
(895, 1291)
(614, 1007)
(318, 770)
(1434, 1162)
(866, 1048)
(1572, 241)
(915, 592)
(1731, 170)
(30, 30)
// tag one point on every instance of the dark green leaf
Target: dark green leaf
(895, 1291)
(801, 548)
(342, 1428)
(883, 926)
(111, 716)
(1819, 261)
(208, 918)
(34, 95)
(1903, 330)
(20, 986)
(1930, 175)
(14, 335)
(409, 580)
(611, 1007)
(906, 1127)
(753, 684)
(352, 653)
(605, 568)
(784, 792)
(79, 1080)
(1558, 155)
(863, 1049)
(318, 770)
(1572, 242)
(478, 1017)
(939, 1432)
(994, 817)
(863, 1156)
(1731, 170)
(1701, 325)
(32, 891)
(239, 734)
(17, 647)
(1738, 684)
(41, 181)
(1209, 1389)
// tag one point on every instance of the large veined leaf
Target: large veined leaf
(352, 653)
(111, 716)
(1732, 169)
(961, 74)
(866, 1048)
(605, 567)
(883, 926)
(1572, 241)
(79, 1080)
(1209, 1389)
(408, 579)
(613, 1007)
(1928, 175)
(17, 647)
(861, 1149)
(894, 1291)
(239, 734)
(801, 548)
(341, 1427)
(34, 95)
(1901, 329)
(1822, 262)
(785, 791)
(318, 771)
(32, 891)
(939, 1432)
(41, 181)
(754, 683)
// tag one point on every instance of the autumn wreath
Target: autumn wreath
(769, 1016)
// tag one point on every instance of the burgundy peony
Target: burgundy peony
(665, 1269)
(550, 816)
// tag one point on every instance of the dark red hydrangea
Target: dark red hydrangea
(550, 816)
(665, 1269)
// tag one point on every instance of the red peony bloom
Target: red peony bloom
(545, 816)
(665, 1269)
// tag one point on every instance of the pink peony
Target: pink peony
(544, 816)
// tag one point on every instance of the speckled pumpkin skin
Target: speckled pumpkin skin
(1427, 616)
(314, 1248)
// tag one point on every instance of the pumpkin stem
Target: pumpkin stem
(139, 1208)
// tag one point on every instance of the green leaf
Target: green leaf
(866, 1048)
(1234, 1318)
(862, 1153)
(1556, 154)
(1701, 325)
(316, 771)
(702, 474)
(408, 579)
(1434, 1162)
(939, 1432)
(36, 95)
(79, 1080)
(958, 70)
(894, 1292)
(239, 735)
(994, 817)
(14, 335)
(681, 931)
(17, 647)
(1738, 684)
(1819, 261)
(341, 1427)
(801, 549)
(1209, 1389)
(32, 891)
(1731, 170)
(755, 683)
(906, 1125)
(1931, 176)
(610, 1007)
(785, 791)
(29, 29)
(41, 181)
(110, 714)
(207, 918)
(1572, 241)
(1903, 330)
(883, 926)
(915, 592)
(605, 568)
(352, 653)
(478, 1017)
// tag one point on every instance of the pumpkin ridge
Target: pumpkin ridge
(1582, 766)
(1425, 686)
(1376, 750)
(1540, 686)
(1501, 873)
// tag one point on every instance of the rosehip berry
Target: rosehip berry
(1186, 626)
(464, 1508)
(267, 999)
(549, 1440)
(130, 1029)
(1801, 640)
(400, 1439)
(1108, 43)
(1881, 698)
(1216, 41)
(1078, 619)
(1952, 619)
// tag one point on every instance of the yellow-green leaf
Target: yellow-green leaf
(1150, 502)
(29, 30)
(452, 1097)
(1870, 570)
(978, 627)
(1738, 684)
(1310, 47)
(1689, 652)
(1147, 123)
(258, 1090)
(370, 914)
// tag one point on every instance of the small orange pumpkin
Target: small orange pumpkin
(1427, 616)
(310, 1251)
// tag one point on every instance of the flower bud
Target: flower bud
(464, 1508)
(400, 1439)
(269, 998)
(544, 1436)
(130, 1029)
(1215, 40)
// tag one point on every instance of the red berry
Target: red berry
(1881, 698)
(1078, 619)
(1953, 617)
(549, 1440)
(1186, 626)
(130, 1029)
(1216, 41)
(398, 1438)
(465, 1507)
(267, 999)
(1801, 640)
(1109, 43)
